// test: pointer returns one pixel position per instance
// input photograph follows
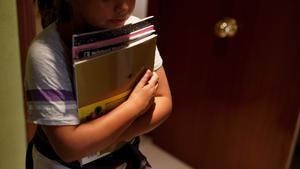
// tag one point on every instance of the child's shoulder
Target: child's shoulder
(46, 42)
(47, 36)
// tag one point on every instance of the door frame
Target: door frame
(27, 31)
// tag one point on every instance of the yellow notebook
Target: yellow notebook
(104, 81)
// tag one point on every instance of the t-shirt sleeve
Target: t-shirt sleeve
(157, 60)
(50, 98)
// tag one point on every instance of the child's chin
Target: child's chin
(116, 24)
(102, 27)
(119, 26)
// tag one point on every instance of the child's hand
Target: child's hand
(143, 94)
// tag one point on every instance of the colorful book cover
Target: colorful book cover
(105, 81)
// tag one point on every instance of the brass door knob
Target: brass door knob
(226, 27)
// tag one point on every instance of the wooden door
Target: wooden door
(236, 100)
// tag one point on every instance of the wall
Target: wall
(12, 124)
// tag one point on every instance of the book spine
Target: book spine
(77, 51)
(83, 39)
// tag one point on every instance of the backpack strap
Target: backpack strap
(29, 160)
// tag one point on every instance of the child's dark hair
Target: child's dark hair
(52, 10)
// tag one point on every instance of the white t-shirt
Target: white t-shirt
(48, 84)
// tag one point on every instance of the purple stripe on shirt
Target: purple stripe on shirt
(49, 95)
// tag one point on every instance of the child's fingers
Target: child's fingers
(156, 86)
(144, 80)
(154, 79)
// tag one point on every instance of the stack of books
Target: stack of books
(108, 63)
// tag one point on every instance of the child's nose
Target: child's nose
(122, 7)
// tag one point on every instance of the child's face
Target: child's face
(103, 13)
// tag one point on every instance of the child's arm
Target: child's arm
(157, 114)
(74, 142)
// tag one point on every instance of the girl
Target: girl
(60, 140)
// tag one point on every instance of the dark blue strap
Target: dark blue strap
(29, 160)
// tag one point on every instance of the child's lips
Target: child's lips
(117, 21)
